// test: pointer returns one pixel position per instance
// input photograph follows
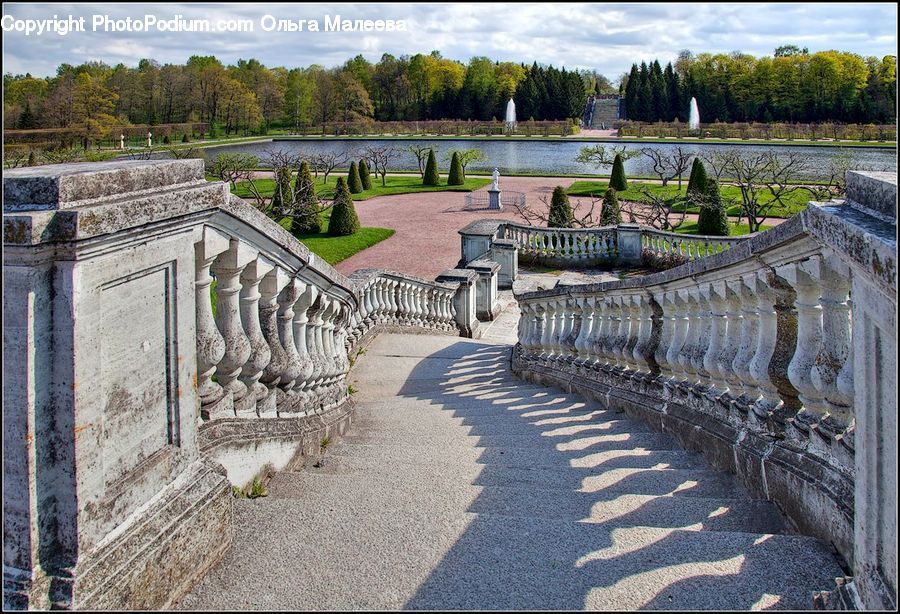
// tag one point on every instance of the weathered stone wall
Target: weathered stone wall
(136, 395)
(753, 357)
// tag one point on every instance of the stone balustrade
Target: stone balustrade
(163, 341)
(764, 358)
(684, 247)
(394, 301)
(507, 243)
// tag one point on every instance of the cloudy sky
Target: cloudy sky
(605, 37)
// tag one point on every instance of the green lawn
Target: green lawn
(334, 249)
(794, 203)
(690, 228)
(395, 185)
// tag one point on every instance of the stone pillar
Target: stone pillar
(505, 252)
(100, 386)
(464, 300)
(476, 239)
(629, 241)
(488, 307)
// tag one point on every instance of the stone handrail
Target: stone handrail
(572, 245)
(136, 392)
(685, 246)
(757, 357)
(508, 241)
(389, 300)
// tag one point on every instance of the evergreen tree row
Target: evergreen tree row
(549, 94)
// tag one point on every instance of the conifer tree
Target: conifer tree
(283, 195)
(697, 182)
(456, 176)
(306, 217)
(344, 220)
(618, 181)
(431, 172)
(713, 219)
(353, 182)
(561, 215)
(365, 175)
(610, 213)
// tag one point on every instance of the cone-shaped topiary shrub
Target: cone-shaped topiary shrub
(431, 171)
(610, 213)
(306, 220)
(353, 181)
(365, 175)
(697, 182)
(283, 194)
(343, 215)
(618, 181)
(713, 219)
(561, 215)
(456, 176)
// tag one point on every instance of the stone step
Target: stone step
(507, 457)
(358, 555)
(568, 478)
(614, 509)
(434, 346)
(550, 411)
(494, 435)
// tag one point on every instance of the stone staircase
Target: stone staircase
(461, 487)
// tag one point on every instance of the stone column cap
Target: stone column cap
(459, 275)
(67, 186)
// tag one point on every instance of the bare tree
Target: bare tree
(600, 156)
(658, 211)
(232, 167)
(379, 158)
(583, 215)
(327, 162)
(765, 179)
(466, 157)
(668, 166)
(421, 154)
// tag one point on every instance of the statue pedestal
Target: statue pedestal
(494, 199)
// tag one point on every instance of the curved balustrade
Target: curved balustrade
(746, 355)
(684, 246)
(575, 246)
(506, 242)
(188, 333)
(391, 300)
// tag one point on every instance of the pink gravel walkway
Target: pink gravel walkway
(427, 241)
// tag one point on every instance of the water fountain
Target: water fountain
(510, 116)
(694, 118)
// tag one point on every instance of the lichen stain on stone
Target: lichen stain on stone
(83, 427)
(15, 232)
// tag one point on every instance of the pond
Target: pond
(557, 157)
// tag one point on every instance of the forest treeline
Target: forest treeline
(250, 97)
(792, 86)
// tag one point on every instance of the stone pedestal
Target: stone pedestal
(494, 200)
(464, 300)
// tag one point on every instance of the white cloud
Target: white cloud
(606, 37)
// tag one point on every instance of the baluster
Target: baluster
(613, 340)
(735, 324)
(305, 351)
(547, 334)
(714, 296)
(804, 278)
(635, 320)
(227, 269)
(601, 325)
(767, 401)
(679, 336)
(692, 334)
(260, 354)
(367, 304)
(270, 287)
(584, 331)
(832, 361)
(288, 382)
(667, 334)
(573, 325)
(210, 344)
(743, 382)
